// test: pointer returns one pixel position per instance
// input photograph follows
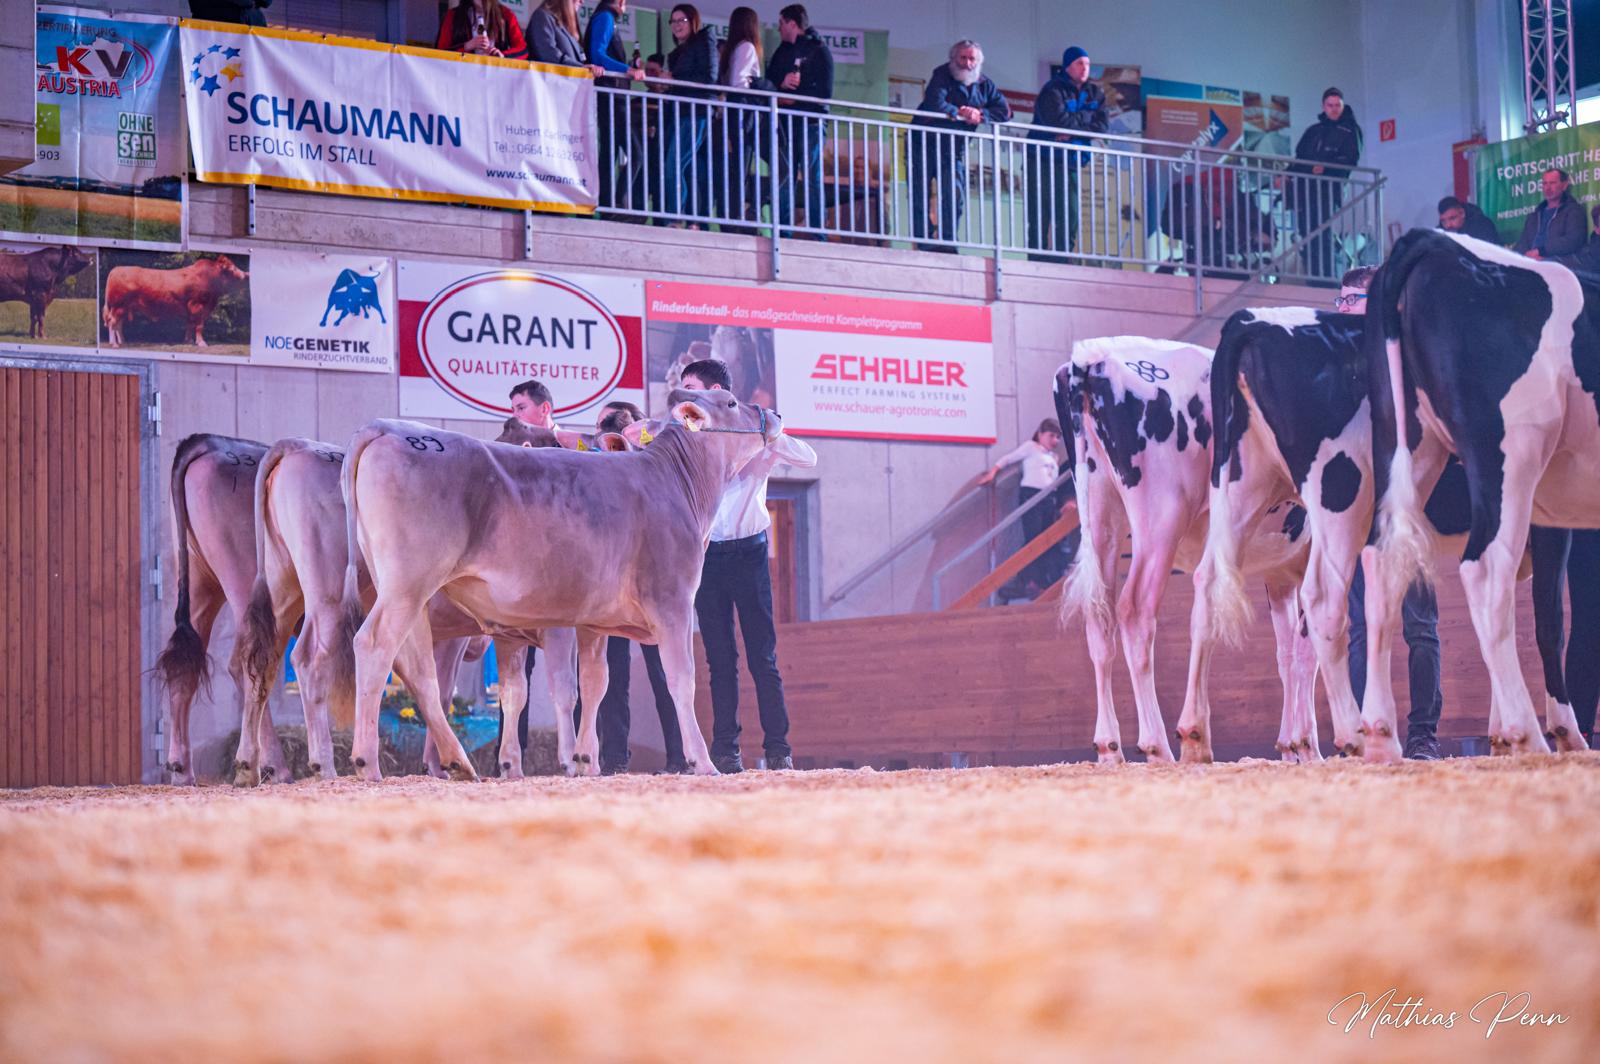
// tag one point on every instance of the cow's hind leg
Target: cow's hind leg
(513, 658)
(1297, 671)
(414, 665)
(1154, 546)
(1101, 547)
(205, 604)
(677, 661)
(593, 679)
(316, 663)
(561, 677)
(1194, 723)
(376, 645)
(448, 654)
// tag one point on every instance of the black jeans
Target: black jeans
(736, 578)
(800, 161)
(934, 158)
(1043, 570)
(1579, 556)
(1052, 203)
(615, 718)
(1419, 621)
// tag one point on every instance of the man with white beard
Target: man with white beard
(965, 98)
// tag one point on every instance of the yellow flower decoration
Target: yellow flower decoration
(408, 713)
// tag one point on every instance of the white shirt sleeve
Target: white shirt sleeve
(791, 451)
(1026, 448)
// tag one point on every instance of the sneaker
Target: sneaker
(1422, 748)
(729, 765)
(613, 770)
(780, 764)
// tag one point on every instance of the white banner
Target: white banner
(847, 46)
(469, 333)
(330, 114)
(322, 311)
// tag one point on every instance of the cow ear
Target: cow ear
(570, 440)
(528, 445)
(612, 441)
(694, 418)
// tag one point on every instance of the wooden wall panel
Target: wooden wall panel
(1007, 684)
(69, 576)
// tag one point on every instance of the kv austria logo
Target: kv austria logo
(214, 68)
(354, 293)
(95, 65)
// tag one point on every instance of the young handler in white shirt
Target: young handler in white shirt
(737, 576)
(1039, 471)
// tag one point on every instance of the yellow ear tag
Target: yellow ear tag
(692, 424)
(644, 437)
(582, 446)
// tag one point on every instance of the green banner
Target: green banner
(1507, 174)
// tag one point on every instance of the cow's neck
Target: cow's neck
(698, 467)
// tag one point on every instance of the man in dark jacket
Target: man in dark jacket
(246, 12)
(1466, 218)
(802, 65)
(1587, 259)
(1326, 152)
(1069, 109)
(959, 91)
(1557, 226)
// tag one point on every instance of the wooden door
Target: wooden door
(70, 620)
(781, 546)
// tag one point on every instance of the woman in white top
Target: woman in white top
(741, 64)
(1039, 471)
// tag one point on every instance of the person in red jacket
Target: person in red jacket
(482, 27)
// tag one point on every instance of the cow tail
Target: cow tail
(350, 612)
(1400, 532)
(183, 665)
(1229, 604)
(1084, 590)
(258, 637)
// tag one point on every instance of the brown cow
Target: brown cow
(33, 278)
(213, 532)
(522, 540)
(300, 563)
(188, 295)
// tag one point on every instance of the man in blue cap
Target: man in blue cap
(1070, 109)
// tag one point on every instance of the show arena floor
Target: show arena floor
(988, 914)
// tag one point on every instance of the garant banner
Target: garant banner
(469, 333)
(109, 160)
(886, 369)
(1508, 173)
(334, 114)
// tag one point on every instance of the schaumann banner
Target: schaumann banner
(331, 114)
(832, 365)
(109, 161)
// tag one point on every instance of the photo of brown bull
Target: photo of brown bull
(187, 296)
(35, 277)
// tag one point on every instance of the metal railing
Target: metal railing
(990, 540)
(758, 162)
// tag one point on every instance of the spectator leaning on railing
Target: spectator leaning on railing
(553, 36)
(621, 142)
(482, 27)
(740, 62)
(245, 12)
(1325, 154)
(694, 60)
(1070, 109)
(802, 65)
(958, 90)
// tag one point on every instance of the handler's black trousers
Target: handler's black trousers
(615, 718)
(736, 578)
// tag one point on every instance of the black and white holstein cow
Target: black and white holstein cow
(1494, 358)
(1138, 418)
(1302, 373)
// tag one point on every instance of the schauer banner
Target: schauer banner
(833, 365)
(331, 114)
(109, 161)
(470, 333)
(1508, 173)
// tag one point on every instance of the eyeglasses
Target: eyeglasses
(680, 20)
(1350, 300)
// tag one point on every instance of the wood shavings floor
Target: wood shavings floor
(1138, 913)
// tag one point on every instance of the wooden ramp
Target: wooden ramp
(1007, 685)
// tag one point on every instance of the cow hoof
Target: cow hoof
(1109, 753)
(245, 774)
(1156, 753)
(1193, 747)
(702, 768)
(1308, 752)
(1566, 740)
(1381, 747)
(510, 770)
(460, 772)
(267, 772)
(315, 767)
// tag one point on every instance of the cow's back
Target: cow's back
(1147, 397)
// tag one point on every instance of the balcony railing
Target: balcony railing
(871, 175)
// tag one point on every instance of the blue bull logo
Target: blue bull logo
(353, 293)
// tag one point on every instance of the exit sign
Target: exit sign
(1386, 129)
